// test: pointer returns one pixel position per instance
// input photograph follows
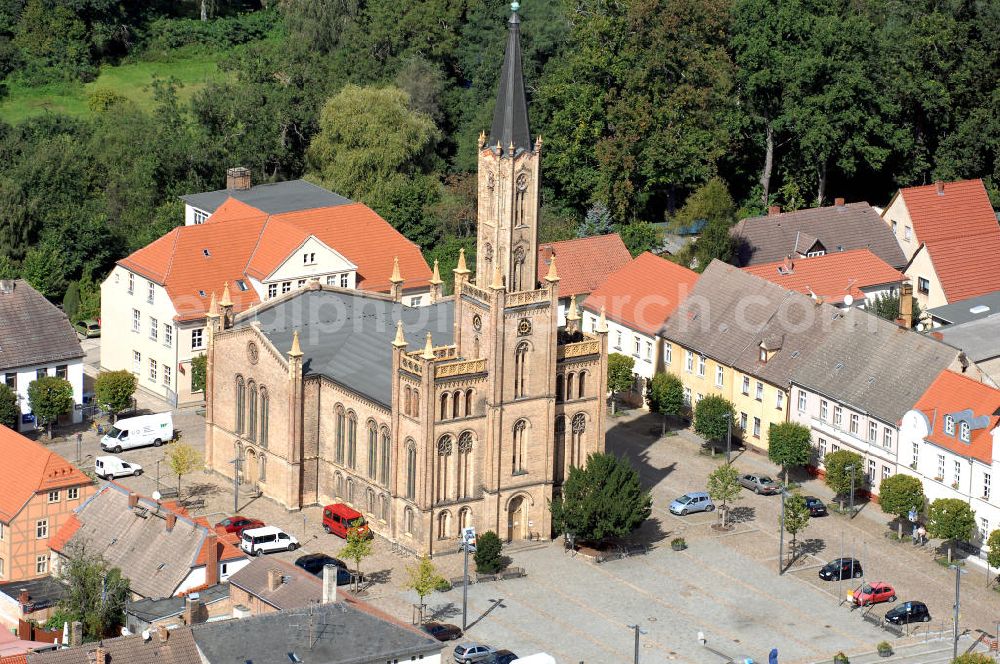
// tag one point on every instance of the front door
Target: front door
(516, 519)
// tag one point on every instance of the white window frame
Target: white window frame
(286, 286)
(701, 365)
(168, 335)
(136, 321)
(958, 472)
(940, 467)
(668, 353)
(872, 431)
(131, 283)
(887, 437)
(41, 528)
(72, 493)
(745, 389)
(153, 368)
(838, 415)
(689, 361)
(964, 432)
(154, 328)
(779, 402)
(720, 376)
(272, 290)
(344, 280)
(803, 401)
(649, 351)
(53, 496)
(636, 344)
(759, 392)
(949, 425)
(756, 427)
(855, 423)
(824, 409)
(986, 486)
(168, 376)
(150, 292)
(198, 338)
(199, 217)
(136, 362)
(916, 454)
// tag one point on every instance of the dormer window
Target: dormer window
(308, 258)
(949, 425)
(965, 432)
(763, 355)
(242, 285)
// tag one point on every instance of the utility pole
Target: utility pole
(729, 436)
(638, 631)
(468, 537)
(958, 587)
(850, 469)
(781, 536)
(236, 483)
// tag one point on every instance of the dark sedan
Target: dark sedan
(841, 568)
(816, 506)
(908, 612)
(503, 657)
(315, 562)
(442, 631)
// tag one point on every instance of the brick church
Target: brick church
(468, 411)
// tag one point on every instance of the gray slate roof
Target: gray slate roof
(729, 313)
(271, 198)
(42, 593)
(837, 228)
(33, 330)
(347, 335)
(137, 542)
(978, 339)
(298, 589)
(149, 610)
(874, 365)
(341, 633)
(961, 312)
(510, 118)
(179, 648)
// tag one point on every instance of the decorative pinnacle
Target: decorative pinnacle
(436, 277)
(602, 323)
(552, 276)
(510, 149)
(400, 340)
(482, 139)
(497, 279)
(395, 278)
(573, 313)
(428, 353)
(296, 350)
(213, 307)
(226, 300)
(461, 269)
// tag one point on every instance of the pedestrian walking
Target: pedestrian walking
(914, 535)
(922, 535)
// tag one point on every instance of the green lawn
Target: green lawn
(131, 80)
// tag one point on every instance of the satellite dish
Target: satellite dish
(157, 495)
(848, 299)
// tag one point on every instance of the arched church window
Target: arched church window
(444, 406)
(520, 369)
(252, 414)
(444, 449)
(411, 470)
(517, 465)
(465, 442)
(352, 440)
(240, 404)
(372, 449)
(518, 279)
(579, 429)
(386, 452)
(265, 407)
(339, 435)
(581, 384)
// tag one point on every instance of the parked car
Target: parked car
(841, 568)
(503, 657)
(237, 524)
(110, 467)
(473, 652)
(88, 328)
(442, 631)
(258, 541)
(130, 432)
(315, 562)
(816, 506)
(760, 484)
(874, 593)
(908, 612)
(338, 518)
(696, 501)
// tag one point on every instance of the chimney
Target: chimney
(162, 633)
(212, 559)
(940, 187)
(75, 633)
(774, 211)
(329, 584)
(906, 305)
(133, 500)
(839, 202)
(194, 610)
(6, 285)
(171, 521)
(23, 597)
(238, 179)
(273, 579)
(97, 656)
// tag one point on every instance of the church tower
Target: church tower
(508, 181)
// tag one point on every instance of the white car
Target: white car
(110, 467)
(258, 541)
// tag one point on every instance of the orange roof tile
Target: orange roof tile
(966, 266)
(14, 659)
(583, 264)
(29, 468)
(227, 548)
(642, 294)
(65, 533)
(951, 393)
(962, 210)
(831, 276)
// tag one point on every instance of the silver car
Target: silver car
(466, 653)
(760, 484)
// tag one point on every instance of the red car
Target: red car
(237, 524)
(874, 593)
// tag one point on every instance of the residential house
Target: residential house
(979, 340)
(157, 546)
(154, 302)
(950, 236)
(267, 585)
(637, 300)
(30, 600)
(854, 388)
(207, 604)
(815, 232)
(844, 279)
(584, 264)
(742, 337)
(965, 311)
(38, 340)
(950, 439)
(38, 492)
(159, 646)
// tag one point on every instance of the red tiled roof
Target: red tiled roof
(241, 241)
(831, 276)
(951, 393)
(642, 294)
(29, 468)
(61, 538)
(14, 659)
(583, 264)
(966, 266)
(962, 210)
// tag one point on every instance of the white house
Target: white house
(584, 264)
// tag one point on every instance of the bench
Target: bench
(168, 492)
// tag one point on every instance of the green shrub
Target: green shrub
(488, 553)
(167, 34)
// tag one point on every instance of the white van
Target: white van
(110, 467)
(132, 432)
(258, 541)
(537, 658)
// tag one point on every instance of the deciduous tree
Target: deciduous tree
(199, 365)
(714, 418)
(488, 556)
(898, 494)
(620, 375)
(789, 444)
(993, 555)
(358, 547)
(423, 578)
(724, 486)
(113, 391)
(10, 414)
(96, 593)
(183, 459)
(951, 519)
(796, 518)
(49, 397)
(841, 466)
(666, 395)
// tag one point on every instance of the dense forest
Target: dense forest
(650, 111)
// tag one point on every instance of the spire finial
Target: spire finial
(395, 278)
(226, 300)
(296, 350)
(497, 279)
(552, 276)
(515, 6)
(461, 269)
(213, 306)
(428, 353)
(510, 119)
(436, 277)
(400, 340)
(573, 313)
(602, 323)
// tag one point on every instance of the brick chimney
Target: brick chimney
(329, 584)
(774, 211)
(238, 179)
(76, 633)
(162, 633)
(23, 597)
(194, 610)
(273, 579)
(940, 187)
(212, 559)
(97, 656)
(906, 306)
(133, 500)
(839, 202)
(171, 521)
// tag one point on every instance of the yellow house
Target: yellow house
(741, 337)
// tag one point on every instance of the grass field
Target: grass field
(131, 80)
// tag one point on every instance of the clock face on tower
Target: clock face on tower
(252, 353)
(477, 323)
(524, 327)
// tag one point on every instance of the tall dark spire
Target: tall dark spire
(510, 119)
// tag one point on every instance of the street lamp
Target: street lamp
(850, 468)
(237, 462)
(781, 536)
(158, 462)
(729, 435)
(958, 586)
(638, 631)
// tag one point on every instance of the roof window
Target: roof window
(242, 285)
(965, 432)
(949, 425)
(206, 253)
(202, 293)
(979, 309)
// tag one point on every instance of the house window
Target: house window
(649, 351)
(780, 400)
(698, 398)
(701, 365)
(71, 494)
(150, 291)
(719, 376)
(618, 340)
(41, 564)
(964, 431)
(272, 290)
(958, 472)
(940, 468)
(61, 371)
(168, 335)
(286, 286)
(415, 301)
(154, 328)
(11, 381)
(197, 338)
(887, 437)
(131, 283)
(855, 422)
(331, 280)
(309, 258)
(824, 409)
(822, 448)
(411, 475)
(343, 280)
(872, 432)
(763, 355)
(743, 421)
(984, 527)
(907, 232)
(838, 415)
(302, 282)
(949, 425)
(886, 472)
(41, 373)
(871, 471)
(986, 486)
(746, 385)
(894, 227)
(689, 362)
(152, 370)
(687, 396)
(136, 362)
(53, 496)
(814, 254)
(756, 427)
(916, 455)
(802, 401)
(834, 447)
(136, 320)
(167, 375)
(668, 353)
(41, 529)
(923, 285)
(759, 396)
(635, 343)
(200, 217)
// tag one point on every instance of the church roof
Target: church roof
(347, 335)
(510, 119)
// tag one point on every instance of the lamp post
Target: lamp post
(958, 587)
(158, 462)
(850, 468)
(729, 436)
(781, 536)
(237, 462)
(638, 631)
(468, 537)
